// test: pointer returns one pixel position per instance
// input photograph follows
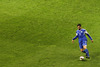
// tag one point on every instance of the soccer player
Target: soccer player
(80, 34)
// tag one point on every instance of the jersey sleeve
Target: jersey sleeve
(88, 34)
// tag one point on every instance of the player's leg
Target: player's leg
(81, 50)
(81, 47)
(85, 48)
(86, 51)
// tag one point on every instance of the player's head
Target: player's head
(79, 26)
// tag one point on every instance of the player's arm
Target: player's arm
(75, 37)
(88, 35)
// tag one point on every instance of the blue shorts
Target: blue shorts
(82, 43)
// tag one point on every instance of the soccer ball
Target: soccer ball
(81, 58)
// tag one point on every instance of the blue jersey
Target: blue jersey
(80, 34)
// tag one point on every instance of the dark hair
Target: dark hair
(79, 25)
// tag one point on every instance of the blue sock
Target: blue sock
(83, 51)
(86, 51)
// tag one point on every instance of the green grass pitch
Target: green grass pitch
(38, 33)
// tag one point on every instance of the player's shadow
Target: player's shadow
(83, 60)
